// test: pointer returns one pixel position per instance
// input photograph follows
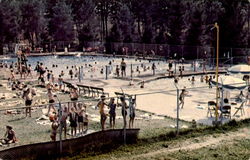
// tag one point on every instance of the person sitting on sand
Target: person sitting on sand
(9, 136)
(176, 79)
(192, 80)
(71, 73)
(124, 111)
(103, 115)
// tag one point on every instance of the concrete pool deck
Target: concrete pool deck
(159, 96)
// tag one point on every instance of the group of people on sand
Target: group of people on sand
(77, 116)
(112, 111)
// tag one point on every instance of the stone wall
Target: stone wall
(91, 142)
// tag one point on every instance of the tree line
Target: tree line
(174, 22)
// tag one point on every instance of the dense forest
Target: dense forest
(174, 22)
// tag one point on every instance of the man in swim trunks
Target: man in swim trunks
(28, 94)
(123, 68)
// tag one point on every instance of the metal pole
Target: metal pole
(106, 72)
(125, 123)
(131, 71)
(217, 70)
(79, 74)
(178, 107)
(60, 120)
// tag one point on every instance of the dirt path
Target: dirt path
(200, 142)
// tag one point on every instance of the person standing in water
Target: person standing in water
(123, 68)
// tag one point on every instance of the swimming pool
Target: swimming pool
(93, 65)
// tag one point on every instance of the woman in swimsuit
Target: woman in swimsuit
(101, 105)
(10, 135)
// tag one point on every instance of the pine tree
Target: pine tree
(9, 18)
(62, 24)
(33, 22)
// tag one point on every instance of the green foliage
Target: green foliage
(9, 19)
(62, 24)
(174, 22)
(33, 22)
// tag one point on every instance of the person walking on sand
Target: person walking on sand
(103, 115)
(182, 97)
(112, 114)
(131, 112)
(123, 68)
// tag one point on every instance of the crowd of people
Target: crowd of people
(112, 111)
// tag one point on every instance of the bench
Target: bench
(96, 91)
(91, 91)
(85, 89)
(68, 85)
(118, 94)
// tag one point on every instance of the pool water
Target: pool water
(92, 66)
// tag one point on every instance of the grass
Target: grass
(164, 138)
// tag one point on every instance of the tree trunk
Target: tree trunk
(1, 48)
(139, 27)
